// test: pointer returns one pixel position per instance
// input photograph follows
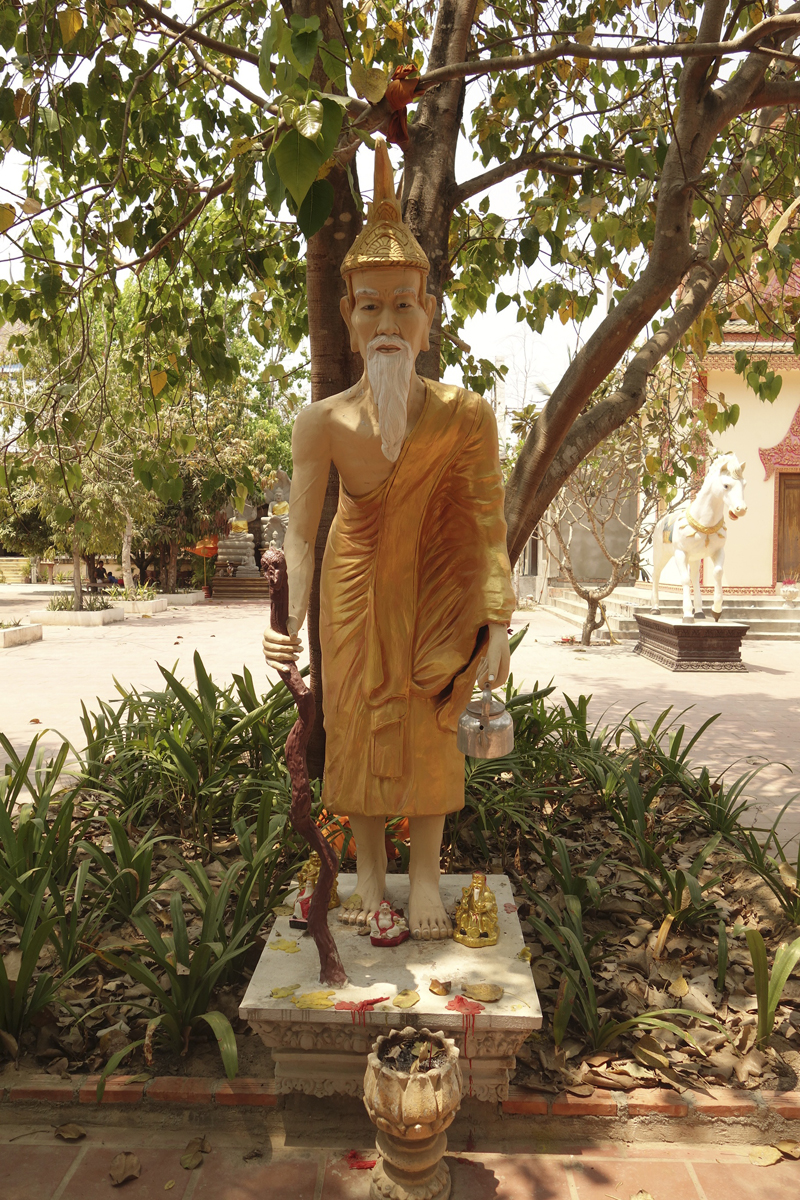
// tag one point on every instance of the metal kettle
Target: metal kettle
(485, 728)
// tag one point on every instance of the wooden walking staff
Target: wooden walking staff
(331, 970)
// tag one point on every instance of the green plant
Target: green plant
(722, 955)
(769, 987)
(32, 841)
(203, 757)
(140, 591)
(584, 887)
(192, 972)
(10, 624)
(720, 808)
(23, 994)
(682, 897)
(577, 996)
(125, 878)
(781, 877)
(76, 919)
(65, 602)
(62, 577)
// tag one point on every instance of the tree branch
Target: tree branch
(526, 162)
(785, 23)
(161, 18)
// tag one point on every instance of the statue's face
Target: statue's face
(278, 495)
(387, 301)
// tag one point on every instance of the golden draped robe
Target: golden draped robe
(413, 572)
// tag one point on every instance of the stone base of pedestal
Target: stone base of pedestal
(701, 645)
(323, 1052)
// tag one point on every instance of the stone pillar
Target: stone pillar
(412, 1108)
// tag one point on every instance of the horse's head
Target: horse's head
(729, 482)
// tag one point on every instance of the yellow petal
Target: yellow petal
(287, 944)
(313, 1000)
(281, 992)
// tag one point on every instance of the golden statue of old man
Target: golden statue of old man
(416, 589)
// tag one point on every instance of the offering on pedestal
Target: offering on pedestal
(476, 916)
(387, 928)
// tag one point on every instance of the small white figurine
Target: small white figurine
(387, 928)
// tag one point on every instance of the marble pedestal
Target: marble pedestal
(705, 645)
(324, 1051)
(238, 549)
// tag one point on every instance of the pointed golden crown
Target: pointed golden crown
(385, 240)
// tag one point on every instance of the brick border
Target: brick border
(183, 1091)
(655, 1102)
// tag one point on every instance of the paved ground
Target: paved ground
(38, 1167)
(760, 710)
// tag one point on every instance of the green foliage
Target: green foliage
(65, 602)
(680, 892)
(769, 986)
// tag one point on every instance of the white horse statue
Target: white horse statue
(697, 531)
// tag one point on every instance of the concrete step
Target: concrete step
(770, 621)
(11, 570)
(240, 589)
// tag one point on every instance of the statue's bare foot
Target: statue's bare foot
(365, 900)
(428, 920)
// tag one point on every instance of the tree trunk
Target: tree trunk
(429, 178)
(76, 573)
(91, 567)
(163, 557)
(172, 567)
(334, 368)
(591, 624)
(127, 537)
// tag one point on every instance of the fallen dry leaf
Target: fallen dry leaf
(406, 999)
(486, 992)
(123, 1167)
(790, 1149)
(280, 993)
(70, 1132)
(765, 1156)
(190, 1161)
(251, 1154)
(199, 1143)
(678, 988)
(169, 1185)
(9, 1044)
(440, 987)
(642, 1195)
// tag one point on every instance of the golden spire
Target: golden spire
(385, 240)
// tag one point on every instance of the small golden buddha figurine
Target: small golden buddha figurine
(307, 878)
(476, 915)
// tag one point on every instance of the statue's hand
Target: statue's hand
(496, 660)
(281, 651)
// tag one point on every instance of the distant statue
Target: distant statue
(237, 549)
(698, 531)
(276, 522)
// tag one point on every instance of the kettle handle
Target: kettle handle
(486, 702)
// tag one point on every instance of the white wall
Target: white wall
(748, 557)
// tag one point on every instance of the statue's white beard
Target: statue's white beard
(390, 378)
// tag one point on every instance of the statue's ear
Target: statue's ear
(346, 309)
